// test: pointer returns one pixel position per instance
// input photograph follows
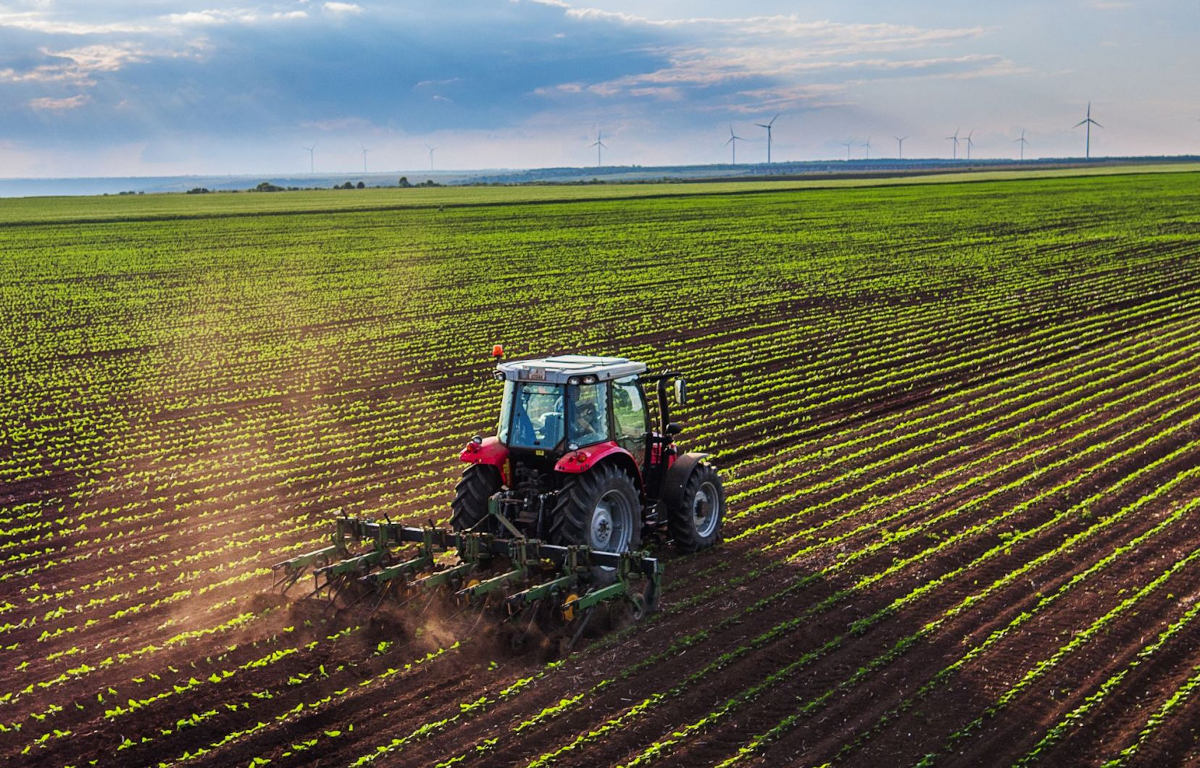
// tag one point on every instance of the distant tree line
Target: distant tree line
(404, 184)
(267, 186)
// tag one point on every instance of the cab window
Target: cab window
(630, 417)
(536, 420)
(587, 413)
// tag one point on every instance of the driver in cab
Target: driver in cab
(585, 427)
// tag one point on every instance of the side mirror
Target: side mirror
(674, 429)
(680, 392)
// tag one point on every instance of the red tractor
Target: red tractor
(575, 460)
(552, 509)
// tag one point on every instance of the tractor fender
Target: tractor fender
(579, 461)
(678, 476)
(490, 451)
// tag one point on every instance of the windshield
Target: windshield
(534, 414)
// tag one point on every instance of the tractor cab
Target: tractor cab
(565, 403)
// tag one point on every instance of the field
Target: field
(959, 425)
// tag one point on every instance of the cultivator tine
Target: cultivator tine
(333, 599)
(296, 567)
(382, 595)
(285, 582)
(583, 621)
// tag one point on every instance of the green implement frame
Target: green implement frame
(523, 571)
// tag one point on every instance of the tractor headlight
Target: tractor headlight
(589, 379)
(573, 381)
(499, 375)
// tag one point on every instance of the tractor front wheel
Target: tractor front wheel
(599, 508)
(470, 505)
(695, 523)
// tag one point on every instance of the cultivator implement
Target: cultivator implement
(524, 577)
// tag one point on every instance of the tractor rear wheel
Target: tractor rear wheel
(470, 505)
(695, 523)
(599, 508)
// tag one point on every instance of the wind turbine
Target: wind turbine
(847, 144)
(767, 125)
(1089, 122)
(868, 146)
(430, 155)
(365, 151)
(900, 147)
(311, 166)
(599, 145)
(970, 143)
(954, 138)
(1022, 142)
(733, 139)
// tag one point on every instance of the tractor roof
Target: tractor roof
(560, 369)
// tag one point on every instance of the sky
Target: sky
(163, 87)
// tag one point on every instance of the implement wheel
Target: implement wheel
(599, 508)
(470, 505)
(695, 523)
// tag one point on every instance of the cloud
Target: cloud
(47, 103)
(40, 22)
(791, 28)
(74, 66)
(711, 63)
(342, 8)
(100, 57)
(438, 83)
(238, 16)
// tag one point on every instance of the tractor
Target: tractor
(575, 461)
(555, 507)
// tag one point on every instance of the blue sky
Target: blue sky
(159, 87)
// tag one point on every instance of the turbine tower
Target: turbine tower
(867, 144)
(768, 125)
(365, 151)
(599, 145)
(970, 143)
(900, 147)
(847, 144)
(430, 155)
(1022, 142)
(733, 139)
(1089, 122)
(311, 166)
(954, 138)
